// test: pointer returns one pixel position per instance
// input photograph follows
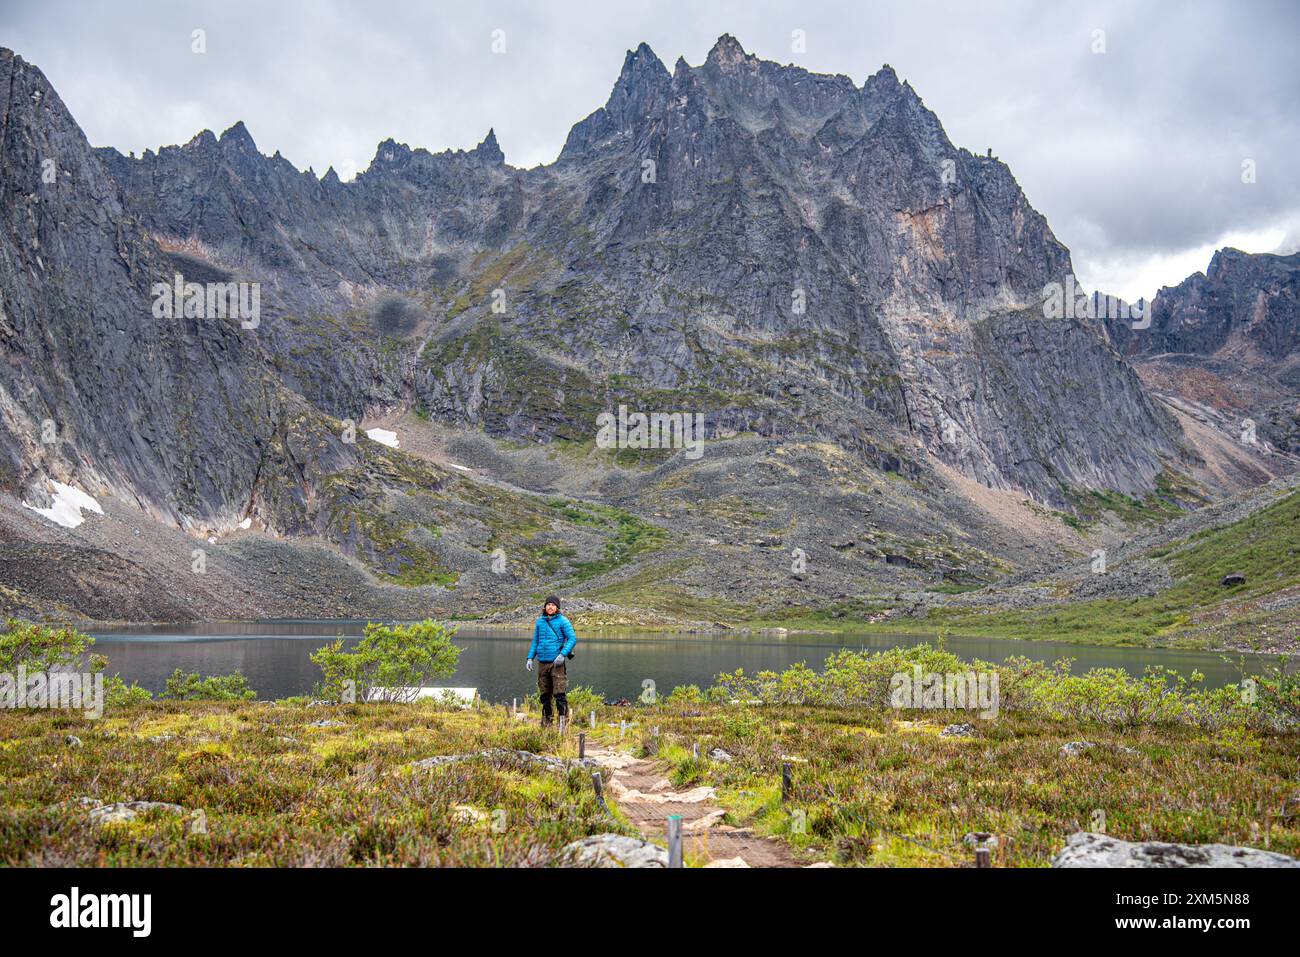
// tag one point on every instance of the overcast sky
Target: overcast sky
(1134, 154)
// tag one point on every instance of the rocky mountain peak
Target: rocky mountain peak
(489, 151)
(238, 139)
(727, 53)
(201, 142)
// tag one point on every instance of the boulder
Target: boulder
(1086, 849)
(717, 754)
(507, 756)
(958, 731)
(615, 850)
(130, 810)
(1072, 748)
(1232, 579)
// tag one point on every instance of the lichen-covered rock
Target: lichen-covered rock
(1086, 849)
(130, 810)
(1074, 748)
(614, 850)
(506, 756)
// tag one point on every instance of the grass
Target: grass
(649, 588)
(872, 786)
(631, 538)
(1262, 546)
(277, 791)
(872, 791)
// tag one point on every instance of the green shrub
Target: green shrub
(41, 647)
(685, 695)
(388, 656)
(1105, 695)
(583, 700)
(46, 648)
(194, 687)
(119, 694)
(1279, 692)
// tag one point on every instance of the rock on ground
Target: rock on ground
(615, 850)
(1086, 849)
(506, 756)
(130, 810)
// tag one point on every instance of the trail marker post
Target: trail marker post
(674, 840)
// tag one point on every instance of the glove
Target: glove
(528, 665)
(559, 659)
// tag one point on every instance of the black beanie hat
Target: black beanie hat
(551, 600)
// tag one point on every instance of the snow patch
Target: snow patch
(68, 503)
(246, 523)
(463, 468)
(383, 437)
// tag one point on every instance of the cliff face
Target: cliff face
(781, 251)
(1228, 338)
(1243, 306)
(174, 414)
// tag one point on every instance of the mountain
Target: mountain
(1228, 339)
(725, 238)
(854, 306)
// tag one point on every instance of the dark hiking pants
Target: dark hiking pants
(553, 683)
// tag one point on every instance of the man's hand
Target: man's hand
(528, 665)
(559, 659)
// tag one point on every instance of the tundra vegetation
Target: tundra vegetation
(298, 782)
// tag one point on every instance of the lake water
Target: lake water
(274, 656)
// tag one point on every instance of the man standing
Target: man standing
(553, 641)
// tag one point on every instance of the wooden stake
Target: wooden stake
(582, 745)
(982, 857)
(787, 781)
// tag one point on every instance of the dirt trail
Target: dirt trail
(643, 792)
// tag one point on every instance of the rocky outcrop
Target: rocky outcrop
(1228, 339)
(1086, 849)
(1244, 302)
(613, 850)
(129, 810)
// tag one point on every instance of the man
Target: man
(553, 641)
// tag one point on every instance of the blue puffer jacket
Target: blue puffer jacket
(552, 637)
